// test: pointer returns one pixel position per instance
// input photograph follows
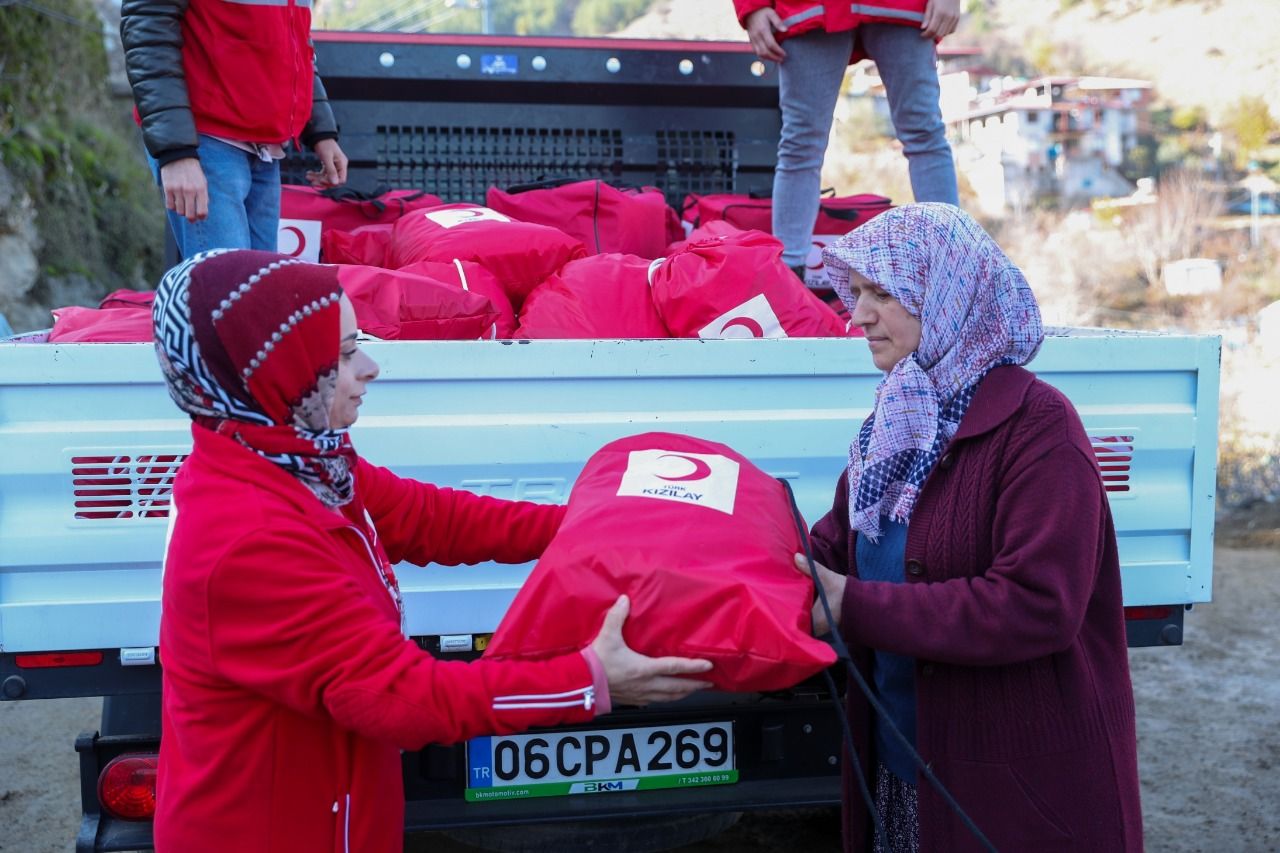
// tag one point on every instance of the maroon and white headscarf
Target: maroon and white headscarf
(976, 312)
(248, 344)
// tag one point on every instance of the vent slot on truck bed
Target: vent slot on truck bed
(117, 487)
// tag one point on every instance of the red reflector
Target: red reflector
(127, 787)
(1147, 612)
(50, 659)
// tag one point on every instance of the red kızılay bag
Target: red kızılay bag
(520, 254)
(366, 245)
(736, 286)
(837, 215)
(402, 306)
(307, 212)
(123, 316)
(719, 583)
(600, 296)
(468, 275)
(714, 228)
(605, 218)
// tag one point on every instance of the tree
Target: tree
(601, 17)
(1250, 124)
(1177, 225)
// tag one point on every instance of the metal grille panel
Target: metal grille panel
(460, 163)
(696, 161)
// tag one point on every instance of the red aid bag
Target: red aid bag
(126, 298)
(737, 286)
(719, 583)
(836, 214)
(366, 245)
(396, 305)
(520, 254)
(604, 217)
(117, 324)
(602, 296)
(714, 228)
(468, 275)
(307, 212)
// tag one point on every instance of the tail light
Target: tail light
(46, 660)
(127, 786)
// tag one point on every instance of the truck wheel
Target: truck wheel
(621, 835)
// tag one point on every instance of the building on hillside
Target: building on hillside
(1055, 137)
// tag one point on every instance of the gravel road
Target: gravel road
(1208, 735)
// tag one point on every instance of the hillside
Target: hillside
(1206, 53)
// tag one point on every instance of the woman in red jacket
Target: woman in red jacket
(977, 580)
(289, 687)
(813, 42)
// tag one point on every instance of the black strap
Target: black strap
(842, 651)
(848, 214)
(368, 200)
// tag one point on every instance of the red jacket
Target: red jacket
(288, 688)
(249, 67)
(1012, 610)
(802, 16)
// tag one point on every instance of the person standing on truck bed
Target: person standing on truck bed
(821, 40)
(289, 688)
(220, 86)
(979, 583)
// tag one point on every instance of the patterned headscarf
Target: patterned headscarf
(976, 312)
(248, 344)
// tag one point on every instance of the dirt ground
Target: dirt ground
(1208, 733)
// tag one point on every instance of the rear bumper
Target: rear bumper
(787, 756)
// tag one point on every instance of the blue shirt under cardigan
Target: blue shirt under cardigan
(893, 675)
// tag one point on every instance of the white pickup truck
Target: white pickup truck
(91, 442)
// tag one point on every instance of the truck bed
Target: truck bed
(91, 442)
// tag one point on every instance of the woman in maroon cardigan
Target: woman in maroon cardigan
(975, 575)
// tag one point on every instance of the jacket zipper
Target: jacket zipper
(346, 823)
(393, 589)
(584, 696)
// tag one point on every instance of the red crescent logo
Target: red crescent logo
(299, 237)
(820, 246)
(701, 470)
(753, 328)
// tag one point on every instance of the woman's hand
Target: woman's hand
(761, 25)
(833, 584)
(635, 679)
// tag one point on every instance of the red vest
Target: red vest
(249, 67)
(835, 16)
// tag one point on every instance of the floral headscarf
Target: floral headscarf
(248, 344)
(976, 312)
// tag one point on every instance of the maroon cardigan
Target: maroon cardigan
(1012, 610)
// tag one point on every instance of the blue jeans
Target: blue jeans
(809, 80)
(244, 202)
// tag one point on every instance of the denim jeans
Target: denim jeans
(809, 80)
(244, 202)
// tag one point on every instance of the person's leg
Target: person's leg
(809, 83)
(263, 205)
(227, 174)
(908, 66)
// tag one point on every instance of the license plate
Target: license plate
(550, 764)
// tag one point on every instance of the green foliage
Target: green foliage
(1250, 124)
(1188, 118)
(44, 60)
(601, 17)
(72, 151)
